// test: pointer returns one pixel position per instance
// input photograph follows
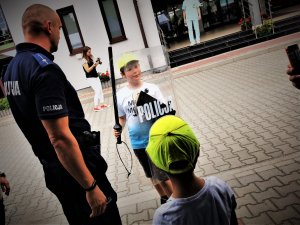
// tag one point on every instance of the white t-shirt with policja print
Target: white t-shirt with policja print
(139, 119)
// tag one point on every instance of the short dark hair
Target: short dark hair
(34, 17)
(130, 63)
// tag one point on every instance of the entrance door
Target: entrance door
(211, 13)
(215, 12)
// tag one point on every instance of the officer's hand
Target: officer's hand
(4, 185)
(97, 201)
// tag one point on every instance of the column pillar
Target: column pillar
(255, 12)
(263, 8)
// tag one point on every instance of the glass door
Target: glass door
(215, 12)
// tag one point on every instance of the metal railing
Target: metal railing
(162, 36)
(269, 13)
(245, 22)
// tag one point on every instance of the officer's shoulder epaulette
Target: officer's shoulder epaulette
(42, 59)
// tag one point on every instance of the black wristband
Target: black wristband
(2, 175)
(92, 187)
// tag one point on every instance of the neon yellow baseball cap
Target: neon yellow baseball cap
(173, 146)
(125, 59)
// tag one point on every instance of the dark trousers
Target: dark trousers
(2, 212)
(72, 196)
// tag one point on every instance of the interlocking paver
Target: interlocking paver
(257, 209)
(288, 168)
(142, 216)
(262, 219)
(244, 142)
(209, 169)
(290, 199)
(243, 212)
(244, 155)
(267, 174)
(286, 179)
(260, 156)
(263, 195)
(221, 147)
(289, 129)
(289, 188)
(235, 162)
(242, 191)
(264, 185)
(293, 141)
(279, 217)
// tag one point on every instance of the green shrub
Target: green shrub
(4, 104)
(264, 29)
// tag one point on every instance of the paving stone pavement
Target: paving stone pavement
(246, 115)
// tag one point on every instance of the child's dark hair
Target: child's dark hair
(130, 63)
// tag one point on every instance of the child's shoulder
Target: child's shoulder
(216, 183)
(150, 85)
(121, 89)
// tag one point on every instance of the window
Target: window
(6, 41)
(112, 20)
(71, 29)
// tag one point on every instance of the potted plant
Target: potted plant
(245, 23)
(104, 77)
(265, 29)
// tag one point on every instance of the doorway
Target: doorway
(216, 15)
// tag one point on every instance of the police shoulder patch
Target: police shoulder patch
(42, 59)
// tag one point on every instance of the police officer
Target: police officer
(47, 110)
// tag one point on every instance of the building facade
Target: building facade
(95, 23)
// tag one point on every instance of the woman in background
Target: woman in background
(89, 66)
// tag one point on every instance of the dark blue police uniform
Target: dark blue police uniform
(37, 89)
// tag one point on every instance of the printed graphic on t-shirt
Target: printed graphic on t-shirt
(149, 108)
(131, 107)
(141, 112)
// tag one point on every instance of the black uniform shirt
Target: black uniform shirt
(37, 89)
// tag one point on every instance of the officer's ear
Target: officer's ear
(48, 27)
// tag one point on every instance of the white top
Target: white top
(212, 205)
(84, 61)
(191, 9)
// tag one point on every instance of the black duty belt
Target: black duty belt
(88, 138)
(85, 139)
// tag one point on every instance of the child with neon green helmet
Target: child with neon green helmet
(174, 149)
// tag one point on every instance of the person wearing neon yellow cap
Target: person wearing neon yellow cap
(138, 126)
(174, 149)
